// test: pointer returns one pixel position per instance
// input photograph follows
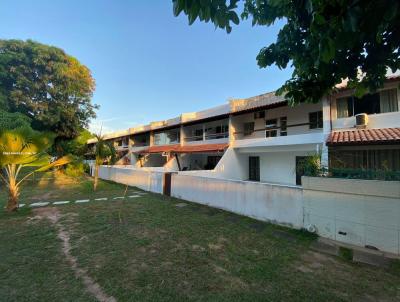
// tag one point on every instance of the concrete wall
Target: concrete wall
(359, 212)
(276, 203)
(279, 167)
(146, 180)
(231, 166)
(275, 167)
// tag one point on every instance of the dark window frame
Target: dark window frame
(248, 128)
(316, 120)
(273, 132)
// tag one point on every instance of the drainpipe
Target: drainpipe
(177, 161)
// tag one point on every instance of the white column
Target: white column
(231, 130)
(151, 138)
(326, 113)
(182, 136)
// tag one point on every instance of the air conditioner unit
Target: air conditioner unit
(361, 120)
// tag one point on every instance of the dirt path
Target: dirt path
(53, 214)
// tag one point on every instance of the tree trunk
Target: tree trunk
(96, 176)
(12, 204)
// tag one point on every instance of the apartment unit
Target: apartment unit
(262, 139)
(366, 131)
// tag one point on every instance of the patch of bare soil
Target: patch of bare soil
(91, 286)
(313, 262)
(44, 196)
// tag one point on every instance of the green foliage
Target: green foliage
(24, 146)
(364, 174)
(325, 41)
(75, 169)
(311, 165)
(76, 146)
(10, 121)
(21, 148)
(104, 151)
(86, 168)
(45, 84)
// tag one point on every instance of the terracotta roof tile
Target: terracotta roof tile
(186, 149)
(365, 137)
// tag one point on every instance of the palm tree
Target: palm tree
(22, 148)
(103, 151)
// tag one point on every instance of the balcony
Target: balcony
(123, 147)
(296, 142)
(216, 131)
(206, 137)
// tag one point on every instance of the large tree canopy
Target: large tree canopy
(44, 83)
(324, 40)
(10, 121)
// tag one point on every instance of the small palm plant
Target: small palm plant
(21, 148)
(103, 151)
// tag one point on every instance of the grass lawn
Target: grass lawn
(150, 249)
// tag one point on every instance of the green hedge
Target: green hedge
(364, 174)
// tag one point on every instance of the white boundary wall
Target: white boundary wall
(279, 204)
(147, 180)
(353, 211)
(358, 212)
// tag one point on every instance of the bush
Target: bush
(75, 169)
(86, 168)
(364, 174)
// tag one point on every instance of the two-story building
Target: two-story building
(263, 139)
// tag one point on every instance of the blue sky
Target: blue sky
(148, 65)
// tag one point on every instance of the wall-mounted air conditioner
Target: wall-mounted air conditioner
(361, 120)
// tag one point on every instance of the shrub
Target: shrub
(86, 168)
(75, 169)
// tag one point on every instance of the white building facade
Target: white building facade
(246, 157)
(263, 139)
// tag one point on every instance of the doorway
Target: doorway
(299, 168)
(254, 168)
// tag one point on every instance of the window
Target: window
(315, 120)
(384, 101)
(254, 168)
(283, 121)
(388, 101)
(370, 159)
(198, 134)
(344, 107)
(173, 136)
(248, 128)
(158, 138)
(271, 128)
(212, 162)
(300, 160)
(165, 138)
(259, 114)
(221, 131)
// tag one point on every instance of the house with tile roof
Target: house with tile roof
(262, 139)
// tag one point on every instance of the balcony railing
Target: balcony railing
(122, 147)
(282, 129)
(210, 136)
